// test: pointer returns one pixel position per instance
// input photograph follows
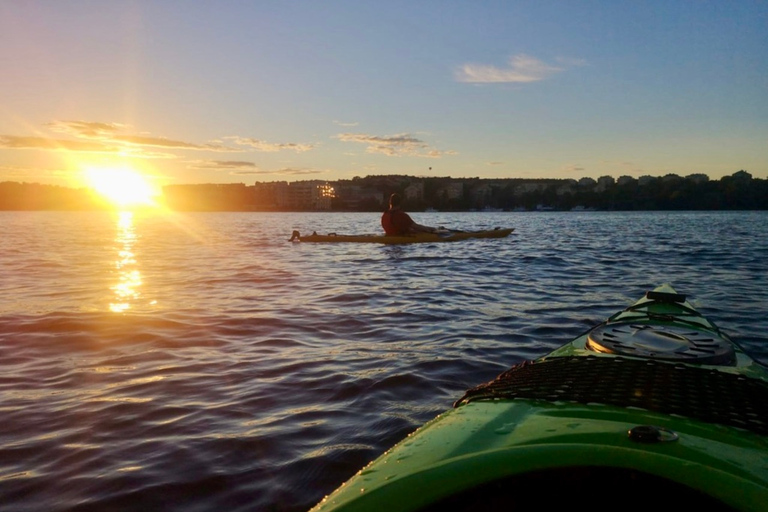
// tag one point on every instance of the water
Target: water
(203, 362)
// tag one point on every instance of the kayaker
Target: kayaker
(396, 222)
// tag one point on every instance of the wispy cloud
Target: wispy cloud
(222, 165)
(103, 138)
(159, 142)
(298, 172)
(110, 132)
(402, 144)
(521, 68)
(79, 146)
(238, 167)
(261, 145)
(86, 129)
(50, 144)
(340, 123)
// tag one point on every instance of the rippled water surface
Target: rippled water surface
(203, 362)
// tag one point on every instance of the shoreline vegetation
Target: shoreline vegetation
(739, 191)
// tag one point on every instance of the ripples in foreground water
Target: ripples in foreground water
(202, 362)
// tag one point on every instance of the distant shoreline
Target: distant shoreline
(696, 192)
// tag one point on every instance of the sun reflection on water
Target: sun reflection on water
(129, 278)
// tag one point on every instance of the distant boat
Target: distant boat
(581, 208)
(492, 209)
(430, 209)
(542, 208)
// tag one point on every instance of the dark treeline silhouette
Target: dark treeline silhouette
(739, 191)
(35, 196)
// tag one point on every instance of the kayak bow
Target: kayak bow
(655, 407)
(440, 236)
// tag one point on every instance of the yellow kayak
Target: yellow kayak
(441, 236)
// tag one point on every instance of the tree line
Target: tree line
(739, 191)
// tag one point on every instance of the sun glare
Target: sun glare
(123, 187)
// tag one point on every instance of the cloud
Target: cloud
(265, 146)
(436, 153)
(340, 123)
(521, 69)
(287, 170)
(159, 142)
(143, 153)
(104, 138)
(16, 142)
(85, 129)
(298, 172)
(402, 144)
(255, 172)
(223, 165)
(238, 167)
(109, 132)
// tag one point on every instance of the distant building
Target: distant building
(527, 188)
(271, 196)
(481, 194)
(300, 195)
(354, 197)
(310, 195)
(452, 190)
(414, 192)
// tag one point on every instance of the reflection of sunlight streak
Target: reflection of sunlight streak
(129, 281)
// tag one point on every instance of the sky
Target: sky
(188, 91)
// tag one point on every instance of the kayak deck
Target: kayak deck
(664, 326)
(442, 236)
(592, 424)
(488, 450)
(684, 390)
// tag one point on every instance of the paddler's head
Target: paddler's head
(395, 200)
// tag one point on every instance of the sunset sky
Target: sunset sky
(188, 91)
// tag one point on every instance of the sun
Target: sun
(123, 186)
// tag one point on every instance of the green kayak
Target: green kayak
(655, 407)
(441, 236)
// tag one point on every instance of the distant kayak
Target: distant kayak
(655, 407)
(447, 235)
